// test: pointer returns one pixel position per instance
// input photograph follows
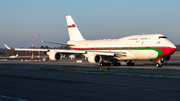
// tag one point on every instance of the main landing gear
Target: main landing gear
(109, 63)
(115, 63)
(104, 64)
(130, 63)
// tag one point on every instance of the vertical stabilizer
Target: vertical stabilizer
(74, 33)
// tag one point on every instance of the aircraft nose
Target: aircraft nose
(173, 49)
(168, 51)
(173, 46)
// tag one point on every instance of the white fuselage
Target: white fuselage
(150, 46)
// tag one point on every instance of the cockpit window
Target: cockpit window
(162, 37)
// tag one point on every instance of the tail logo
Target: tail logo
(71, 26)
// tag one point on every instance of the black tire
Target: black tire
(158, 65)
(116, 64)
(132, 64)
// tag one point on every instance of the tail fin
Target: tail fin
(74, 33)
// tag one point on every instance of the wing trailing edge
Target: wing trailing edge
(59, 43)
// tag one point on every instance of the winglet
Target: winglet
(7, 46)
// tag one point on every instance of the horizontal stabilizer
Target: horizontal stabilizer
(58, 43)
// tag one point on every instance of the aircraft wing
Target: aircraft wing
(25, 49)
(83, 52)
(102, 53)
(28, 49)
(47, 50)
(121, 54)
(70, 51)
(66, 51)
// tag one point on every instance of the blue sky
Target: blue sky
(22, 19)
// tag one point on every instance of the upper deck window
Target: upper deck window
(162, 37)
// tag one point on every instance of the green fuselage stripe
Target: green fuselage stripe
(70, 27)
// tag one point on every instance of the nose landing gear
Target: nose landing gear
(159, 63)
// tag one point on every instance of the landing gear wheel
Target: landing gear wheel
(107, 64)
(130, 63)
(104, 64)
(117, 64)
(100, 64)
(158, 65)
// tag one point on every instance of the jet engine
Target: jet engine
(94, 58)
(55, 56)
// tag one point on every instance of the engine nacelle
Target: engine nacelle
(94, 58)
(55, 56)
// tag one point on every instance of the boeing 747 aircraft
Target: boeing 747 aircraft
(153, 47)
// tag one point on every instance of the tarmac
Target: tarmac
(174, 63)
(39, 85)
(35, 85)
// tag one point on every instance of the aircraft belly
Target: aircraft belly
(139, 55)
(145, 54)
